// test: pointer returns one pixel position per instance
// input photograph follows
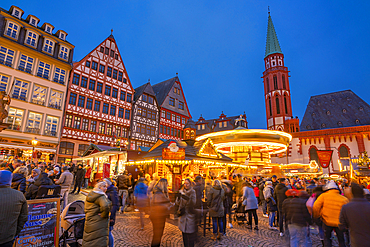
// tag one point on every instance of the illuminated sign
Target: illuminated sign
(208, 150)
(325, 157)
(168, 154)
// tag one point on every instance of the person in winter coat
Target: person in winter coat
(32, 190)
(87, 176)
(159, 210)
(355, 217)
(328, 206)
(19, 179)
(298, 218)
(251, 204)
(142, 199)
(113, 197)
(13, 210)
(65, 182)
(198, 191)
(79, 177)
(268, 193)
(97, 208)
(123, 184)
(215, 202)
(262, 198)
(279, 194)
(228, 203)
(187, 221)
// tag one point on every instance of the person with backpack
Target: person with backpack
(268, 193)
(215, 202)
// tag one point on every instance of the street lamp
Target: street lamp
(34, 143)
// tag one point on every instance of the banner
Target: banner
(106, 170)
(42, 227)
(324, 157)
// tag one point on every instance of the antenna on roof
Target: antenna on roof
(111, 31)
(268, 8)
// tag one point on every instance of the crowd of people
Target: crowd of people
(293, 205)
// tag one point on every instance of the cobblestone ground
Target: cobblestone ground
(127, 233)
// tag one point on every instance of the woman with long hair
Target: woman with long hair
(215, 202)
(159, 210)
(251, 204)
(19, 179)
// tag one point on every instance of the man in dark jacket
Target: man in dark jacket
(355, 217)
(42, 179)
(262, 198)
(79, 177)
(198, 191)
(113, 197)
(123, 183)
(279, 194)
(13, 210)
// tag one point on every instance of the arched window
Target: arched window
(343, 152)
(277, 105)
(270, 109)
(285, 104)
(283, 79)
(313, 155)
(267, 84)
(275, 82)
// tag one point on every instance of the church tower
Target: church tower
(276, 83)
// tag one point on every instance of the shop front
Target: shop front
(27, 153)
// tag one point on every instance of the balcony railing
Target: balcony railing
(15, 127)
(16, 96)
(55, 106)
(32, 130)
(50, 133)
(58, 81)
(38, 102)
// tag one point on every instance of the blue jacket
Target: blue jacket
(113, 197)
(141, 191)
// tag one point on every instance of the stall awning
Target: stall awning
(42, 149)
(100, 154)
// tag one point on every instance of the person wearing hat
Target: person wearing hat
(274, 181)
(327, 206)
(113, 197)
(13, 210)
(268, 193)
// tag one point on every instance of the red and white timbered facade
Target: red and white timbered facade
(99, 102)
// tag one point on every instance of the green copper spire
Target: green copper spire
(272, 42)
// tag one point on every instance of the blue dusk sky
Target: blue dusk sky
(218, 47)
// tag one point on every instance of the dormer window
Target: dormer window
(31, 38)
(62, 36)
(48, 29)
(16, 13)
(33, 22)
(12, 30)
(48, 46)
(63, 52)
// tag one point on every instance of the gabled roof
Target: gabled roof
(211, 125)
(99, 148)
(146, 88)
(162, 89)
(272, 42)
(335, 110)
(190, 124)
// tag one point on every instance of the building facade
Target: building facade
(35, 62)
(144, 129)
(99, 102)
(174, 109)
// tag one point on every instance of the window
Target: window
(115, 74)
(61, 36)
(116, 56)
(97, 106)
(101, 68)
(111, 53)
(168, 116)
(72, 99)
(89, 103)
(107, 90)
(118, 131)
(105, 108)
(101, 49)
(283, 79)
(172, 101)
(173, 117)
(92, 85)
(6, 56)
(63, 53)
(51, 126)
(181, 105)
(115, 93)
(77, 123)
(93, 126)
(99, 87)
(123, 95)
(48, 46)
(143, 127)
(161, 129)
(144, 98)
(76, 79)
(275, 83)
(184, 121)
(106, 51)
(34, 123)
(109, 71)
(163, 114)
(4, 80)
(55, 99)
(39, 95)
(178, 119)
(286, 105)
(94, 65)
(31, 38)
(66, 148)
(15, 118)
(12, 30)
(87, 64)
(277, 105)
(120, 75)
(20, 90)
(172, 132)
(48, 29)
(25, 64)
(120, 112)
(81, 101)
(112, 110)
(85, 124)
(343, 152)
(127, 114)
(313, 155)
(43, 70)
(176, 90)
(101, 128)
(143, 112)
(59, 75)
(109, 129)
(150, 100)
(270, 108)
(68, 122)
(225, 124)
(82, 148)
(267, 85)
(129, 98)
(84, 82)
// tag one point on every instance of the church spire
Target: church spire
(272, 42)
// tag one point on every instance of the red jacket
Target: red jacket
(256, 191)
(88, 173)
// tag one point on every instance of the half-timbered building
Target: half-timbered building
(99, 101)
(145, 118)
(174, 109)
